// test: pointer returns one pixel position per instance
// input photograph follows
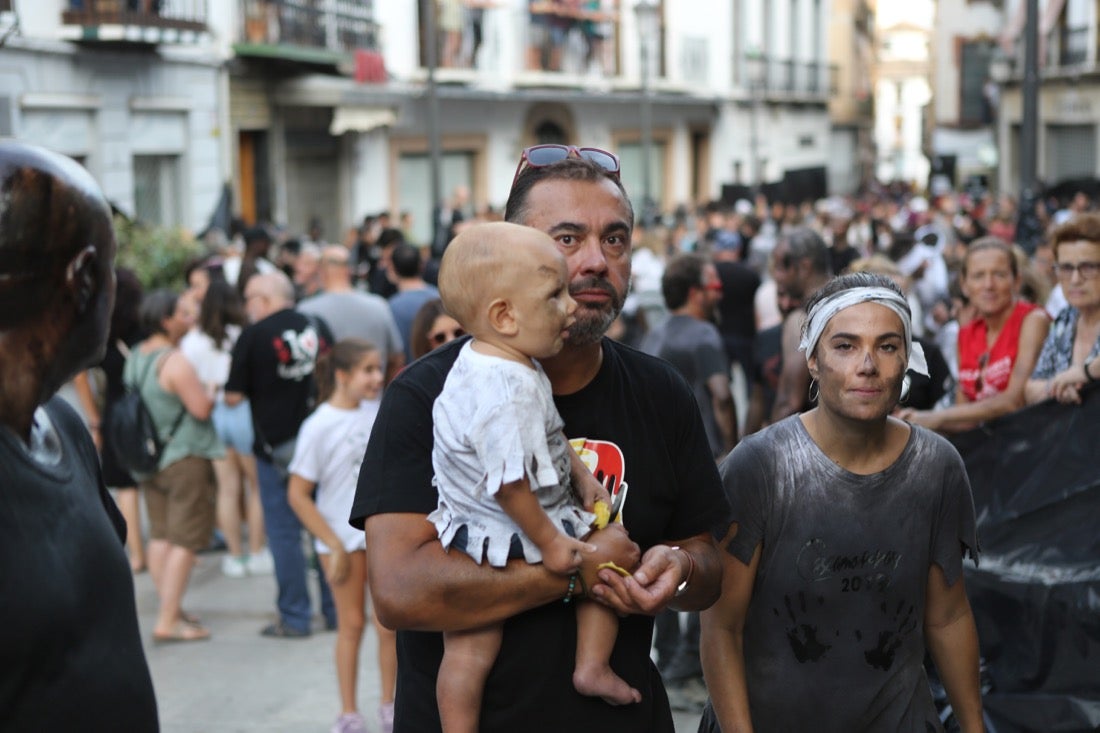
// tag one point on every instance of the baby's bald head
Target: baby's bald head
(487, 261)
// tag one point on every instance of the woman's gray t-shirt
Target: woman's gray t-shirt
(834, 635)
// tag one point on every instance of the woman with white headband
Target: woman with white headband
(844, 562)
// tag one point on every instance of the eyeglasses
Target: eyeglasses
(540, 156)
(441, 337)
(1088, 270)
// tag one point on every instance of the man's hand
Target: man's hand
(649, 589)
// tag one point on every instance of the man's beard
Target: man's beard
(592, 323)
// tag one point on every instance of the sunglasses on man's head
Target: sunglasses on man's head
(540, 156)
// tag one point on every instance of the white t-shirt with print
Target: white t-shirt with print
(330, 449)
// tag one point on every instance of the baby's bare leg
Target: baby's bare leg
(467, 658)
(597, 628)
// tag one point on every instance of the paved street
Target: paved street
(240, 682)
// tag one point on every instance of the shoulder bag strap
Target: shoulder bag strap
(159, 361)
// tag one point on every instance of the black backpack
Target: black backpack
(131, 432)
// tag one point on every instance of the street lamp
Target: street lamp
(647, 13)
(1028, 227)
(756, 65)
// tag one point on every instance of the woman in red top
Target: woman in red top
(998, 349)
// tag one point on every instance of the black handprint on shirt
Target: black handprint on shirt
(902, 624)
(803, 636)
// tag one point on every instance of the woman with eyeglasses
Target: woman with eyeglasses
(1068, 360)
(431, 328)
(997, 349)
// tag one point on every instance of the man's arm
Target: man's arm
(794, 380)
(953, 642)
(418, 585)
(721, 646)
(725, 413)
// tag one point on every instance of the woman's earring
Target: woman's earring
(814, 391)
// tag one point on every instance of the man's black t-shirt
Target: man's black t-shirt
(637, 420)
(70, 650)
(273, 362)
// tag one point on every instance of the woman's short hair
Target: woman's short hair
(991, 243)
(155, 308)
(1083, 227)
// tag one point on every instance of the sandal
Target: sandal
(182, 632)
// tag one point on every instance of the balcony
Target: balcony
(327, 33)
(787, 76)
(1073, 47)
(504, 45)
(141, 22)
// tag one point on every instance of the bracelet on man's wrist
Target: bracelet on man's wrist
(682, 588)
(1088, 375)
(573, 580)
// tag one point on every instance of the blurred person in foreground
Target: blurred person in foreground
(1068, 361)
(70, 650)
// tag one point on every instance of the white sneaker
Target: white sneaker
(261, 563)
(234, 567)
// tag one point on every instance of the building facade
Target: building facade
(902, 91)
(134, 95)
(317, 112)
(1069, 95)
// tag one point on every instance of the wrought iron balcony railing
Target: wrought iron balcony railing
(180, 15)
(335, 27)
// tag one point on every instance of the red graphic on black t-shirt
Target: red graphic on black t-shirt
(605, 460)
(282, 353)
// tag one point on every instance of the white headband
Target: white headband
(824, 310)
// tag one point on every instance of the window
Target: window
(633, 177)
(1071, 151)
(415, 190)
(974, 99)
(157, 191)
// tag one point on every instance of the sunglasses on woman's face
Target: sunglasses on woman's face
(439, 338)
(540, 156)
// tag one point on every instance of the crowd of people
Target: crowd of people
(795, 530)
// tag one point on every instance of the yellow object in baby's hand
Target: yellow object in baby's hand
(603, 514)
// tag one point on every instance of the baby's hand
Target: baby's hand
(563, 554)
(589, 490)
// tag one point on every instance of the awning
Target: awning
(361, 119)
